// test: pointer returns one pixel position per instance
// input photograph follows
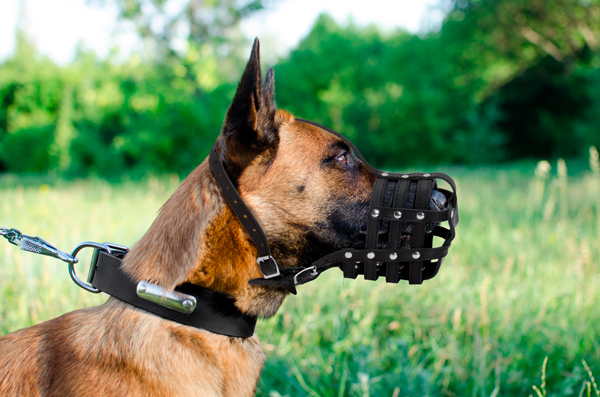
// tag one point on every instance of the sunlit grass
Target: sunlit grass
(519, 287)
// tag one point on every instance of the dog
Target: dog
(311, 195)
(309, 192)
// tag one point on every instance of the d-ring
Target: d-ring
(76, 280)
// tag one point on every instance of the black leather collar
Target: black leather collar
(214, 312)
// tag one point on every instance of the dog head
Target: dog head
(305, 186)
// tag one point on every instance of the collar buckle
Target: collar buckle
(261, 259)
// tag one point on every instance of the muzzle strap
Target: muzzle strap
(400, 196)
(268, 266)
(373, 227)
(415, 271)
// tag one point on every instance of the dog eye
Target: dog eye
(342, 157)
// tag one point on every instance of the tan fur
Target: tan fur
(118, 350)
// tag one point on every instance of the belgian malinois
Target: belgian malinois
(311, 195)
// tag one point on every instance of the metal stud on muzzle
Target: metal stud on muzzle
(404, 218)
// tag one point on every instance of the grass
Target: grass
(513, 312)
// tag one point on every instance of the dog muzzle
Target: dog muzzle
(404, 238)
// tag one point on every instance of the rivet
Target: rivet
(420, 216)
(370, 255)
(393, 255)
(375, 213)
(426, 175)
(416, 255)
(384, 174)
(142, 288)
(404, 176)
(378, 264)
(348, 255)
(397, 214)
(188, 304)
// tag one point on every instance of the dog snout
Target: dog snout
(437, 201)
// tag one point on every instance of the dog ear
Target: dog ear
(250, 128)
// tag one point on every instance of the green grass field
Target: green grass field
(520, 285)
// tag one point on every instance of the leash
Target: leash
(188, 304)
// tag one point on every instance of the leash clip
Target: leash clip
(36, 245)
(261, 259)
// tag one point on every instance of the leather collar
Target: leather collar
(214, 312)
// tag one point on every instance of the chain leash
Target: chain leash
(40, 246)
(36, 245)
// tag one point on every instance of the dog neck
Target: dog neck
(197, 239)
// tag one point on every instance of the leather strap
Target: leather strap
(373, 226)
(290, 277)
(415, 271)
(268, 266)
(214, 312)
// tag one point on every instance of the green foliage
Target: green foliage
(29, 98)
(536, 62)
(520, 285)
(484, 88)
(392, 95)
(500, 80)
(100, 117)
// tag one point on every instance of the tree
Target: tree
(169, 23)
(502, 38)
(526, 63)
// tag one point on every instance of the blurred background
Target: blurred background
(105, 105)
(108, 87)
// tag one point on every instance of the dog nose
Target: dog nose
(437, 201)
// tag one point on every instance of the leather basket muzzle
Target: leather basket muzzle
(405, 250)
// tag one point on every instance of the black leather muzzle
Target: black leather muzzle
(410, 221)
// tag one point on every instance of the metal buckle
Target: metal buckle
(264, 258)
(314, 273)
